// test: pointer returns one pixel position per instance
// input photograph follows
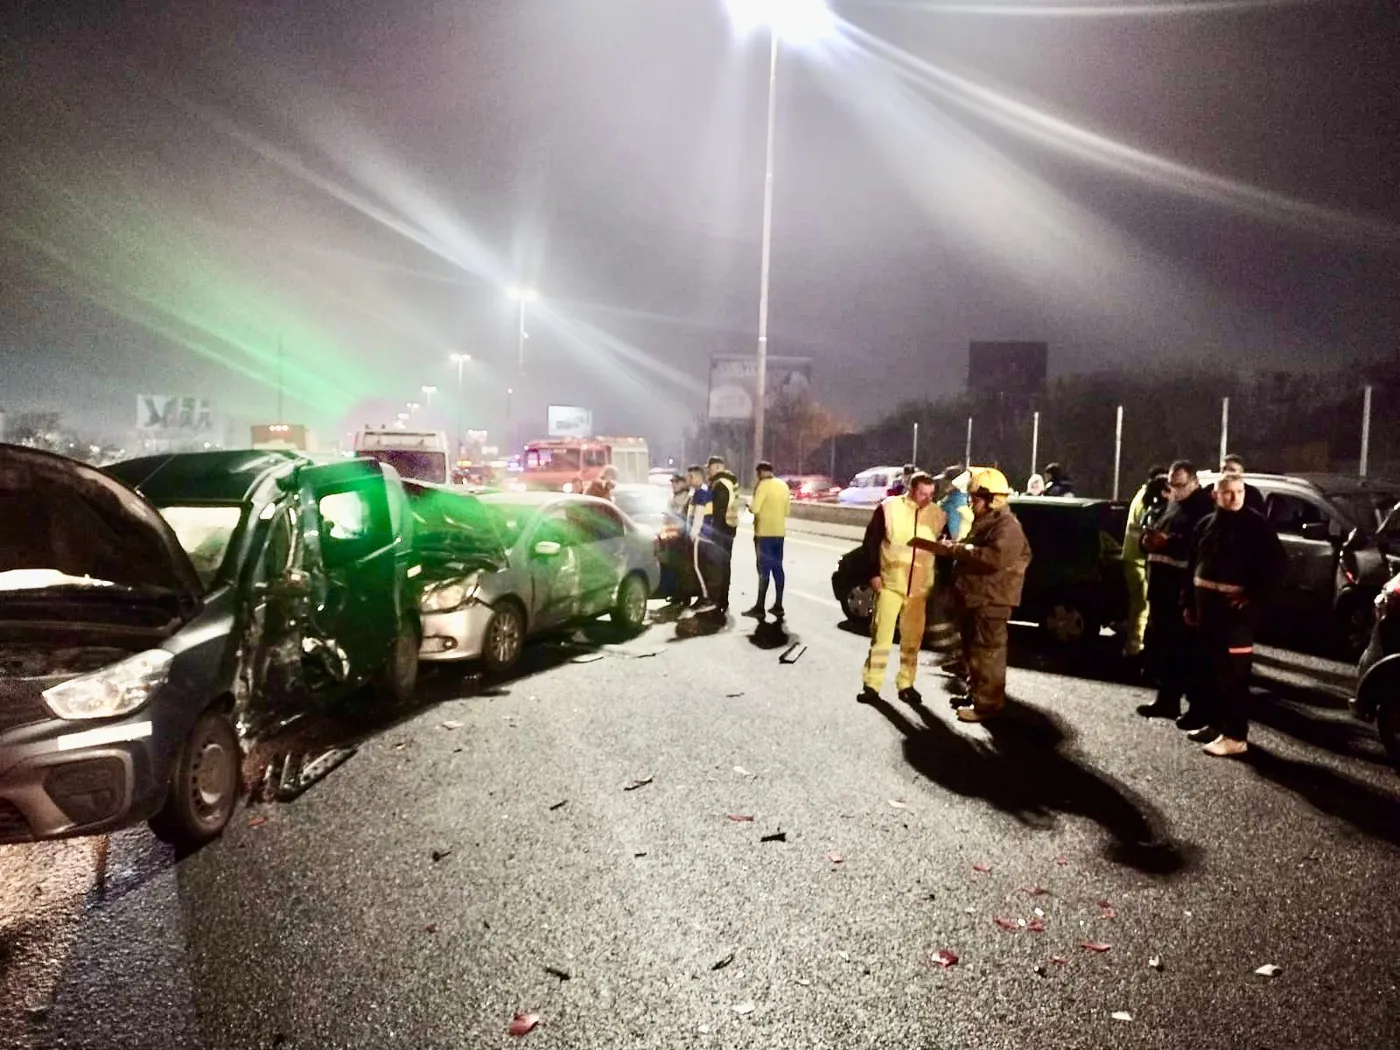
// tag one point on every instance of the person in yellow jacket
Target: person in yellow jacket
(899, 544)
(1135, 559)
(769, 505)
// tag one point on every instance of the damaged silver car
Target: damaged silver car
(512, 565)
(153, 614)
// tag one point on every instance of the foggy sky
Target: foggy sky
(185, 184)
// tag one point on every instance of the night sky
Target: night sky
(184, 184)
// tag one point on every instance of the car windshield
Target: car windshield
(412, 463)
(643, 502)
(511, 520)
(205, 534)
(1366, 510)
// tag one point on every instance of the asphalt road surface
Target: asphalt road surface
(482, 856)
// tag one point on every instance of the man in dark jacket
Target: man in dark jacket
(991, 569)
(1173, 651)
(1253, 498)
(1236, 566)
(1057, 481)
(717, 536)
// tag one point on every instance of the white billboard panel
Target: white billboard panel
(568, 421)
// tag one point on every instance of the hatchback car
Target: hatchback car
(141, 634)
(559, 559)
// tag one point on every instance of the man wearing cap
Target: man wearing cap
(899, 544)
(991, 569)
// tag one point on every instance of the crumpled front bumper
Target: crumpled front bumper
(456, 635)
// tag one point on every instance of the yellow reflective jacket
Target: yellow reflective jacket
(1132, 538)
(904, 569)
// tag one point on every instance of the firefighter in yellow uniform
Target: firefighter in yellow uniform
(899, 544)
(1135, 560)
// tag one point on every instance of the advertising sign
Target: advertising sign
(157, 412)
(567, 421)
(734, 383)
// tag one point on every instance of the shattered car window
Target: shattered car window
(205, 534)
(346, 514)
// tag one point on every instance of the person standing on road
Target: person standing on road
(898, 546)
(696, 509)
(950, 492)
(991, 568)
(672, 551)
(1174, 651)
(602, 486)
(1253, 498)
(1135, 561)
(721, 522)
(1237, 562)
(770, 504)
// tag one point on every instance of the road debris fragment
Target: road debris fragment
(451, 724)
(742, 771)
(439, 854)
(1034, 891)
(777, 836)
(1269, 970)
(744, 1008)
(559, 805)
(430, 928)
(982, 869)
(522, 1024)
(1036, 926)
(945, 958)
(732, 696)
(835, 857)
(899, 803)
(642, 853)
(722, 963)
(1121, 1015)
(792, 653)
(1006, 924)
(639, 782)
(1059, 960)
(256, 822)
(1095, 946)
(740, 818)
(1062, 860)
(1155, 962)
(563, 975)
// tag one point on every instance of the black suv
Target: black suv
(153, 613)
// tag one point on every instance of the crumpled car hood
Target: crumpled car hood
(59, 514)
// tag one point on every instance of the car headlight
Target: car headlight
(116, 690)
(450, 595)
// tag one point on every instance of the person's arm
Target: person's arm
(870, 546)
(996, 554)
(758, 498)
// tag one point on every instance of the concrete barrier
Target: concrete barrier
(831, 513)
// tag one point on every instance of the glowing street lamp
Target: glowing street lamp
(799, 23)
(521, 296)
(428, 392)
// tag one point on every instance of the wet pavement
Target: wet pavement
(575, 843)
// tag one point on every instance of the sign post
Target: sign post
(1117, 452)
(1365, 431)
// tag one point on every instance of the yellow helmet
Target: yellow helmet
(991, 481)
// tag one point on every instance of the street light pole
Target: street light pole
(761, 379)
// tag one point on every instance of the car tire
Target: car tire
(504, 638)
(630, 610)
(859, 604)
(1356, 619)
(398, 678)
(204, 784)
(1388, 723)
(1066, 622)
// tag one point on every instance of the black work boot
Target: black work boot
(868, 696)
(1159, 709)
(910, 696)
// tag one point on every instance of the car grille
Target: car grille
(13, 826)
(21, 705)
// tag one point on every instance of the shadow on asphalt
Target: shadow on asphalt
(1289, 708)
(1344, 682)
(1026, 773)
(1360, 805)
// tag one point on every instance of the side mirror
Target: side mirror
(547, 549)
(1314, 530)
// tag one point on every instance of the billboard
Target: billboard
(568, 421)
(161, 412)
(734, 383)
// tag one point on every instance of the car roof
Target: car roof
(1060, 501)
(1330, 484)
(205, 477)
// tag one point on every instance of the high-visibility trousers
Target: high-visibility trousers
(893, 610)
(1135, 573)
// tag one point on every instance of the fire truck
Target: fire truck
(569, 464)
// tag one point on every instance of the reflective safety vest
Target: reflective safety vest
(1132, 538)
(902, 568)
(731, 510)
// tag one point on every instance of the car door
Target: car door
(1303, 527)
(353, 555)
(602, 554)
(552, 549)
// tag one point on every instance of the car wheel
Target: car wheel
(504, 639)
(398, 678)
(631, 608)
(204, 784)
(1356, 618)
(1388, 722)
(859, 603)
(1067, 624)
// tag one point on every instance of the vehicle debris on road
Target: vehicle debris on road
(722, 963)
(777, 836)
(563, 975)
(639, 782)
(523, 1024)
(1269, 970)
